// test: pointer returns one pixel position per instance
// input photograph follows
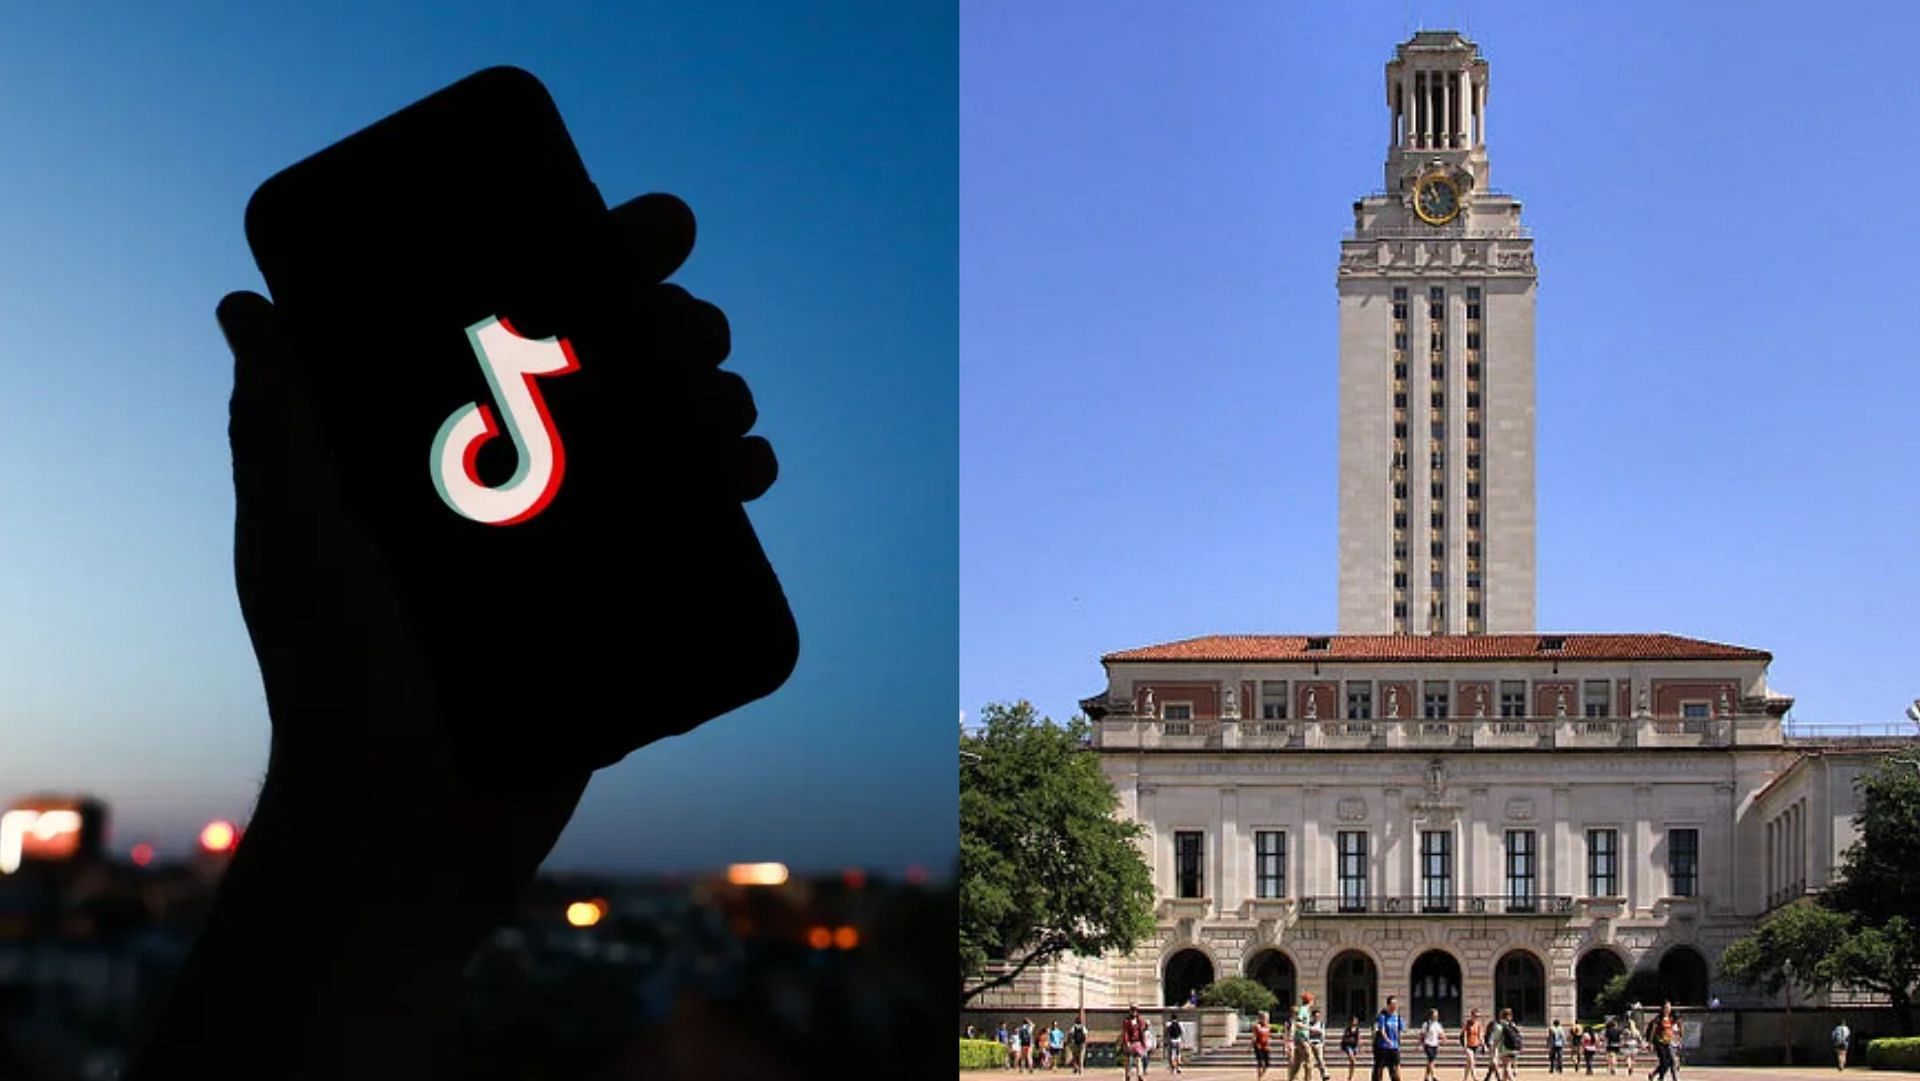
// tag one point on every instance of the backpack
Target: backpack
(1173, 1031)
(1078, 1036)
(1510, 1036)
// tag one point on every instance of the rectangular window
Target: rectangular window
(1439, 520)
(1473, 608)
(1400, 340)
(1273, 699)
(1269, 864)
(1473, 579)
(1399, 579)
(1439, 549)
(1693, 711)
(1439, 371)
(1400, 370)
(1473, 429)
(1438, 341)
(1513, 698)
(1177, 711)
(1399, 489)
(1473, 293)
(1439, 430)
(1399, 399)
(1436, 870)
(1437, 702)
(1473, 399)
(1473, 519)
(1399, 519)
(1522, 871)
(1439, 489)
(1683, 862)
(1400, 550)
(1595, 698)
(1473, 461)
(1473, 549)
(1359, 701)
(1439, 400)
(1188, 881)
(1603, 863)
(1473, 336)
(1473, 489)
(1473, 369)
(1351, 863)
(1400, 430)
(1400, 293)
(1399, 609)
(1473, 309)
(1399, 311)
(1439, 579)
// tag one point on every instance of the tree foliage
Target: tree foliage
(1046, 867)
(1640, 985)
(1860, 932)
(1240, 993)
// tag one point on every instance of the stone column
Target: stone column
(1446, 112)
(1228, 895)
(1480, 129)
(1144, 799)
(1312, 842)
(1558, 872)
(1465, 134)
(1641, 870)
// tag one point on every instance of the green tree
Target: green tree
(1640, 985)
(1247, 996)
(1046, 867)
(1860, 931)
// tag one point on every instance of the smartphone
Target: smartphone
(571, 567)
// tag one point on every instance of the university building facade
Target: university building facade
(1440, 802)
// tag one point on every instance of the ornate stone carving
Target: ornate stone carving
(1520, 808)
(1232, 709)
(1313, 704)
(1147, 707)
(1351, 809)
(1560, 706)
(1479, 703)
(1393, 703)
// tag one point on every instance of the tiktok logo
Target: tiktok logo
(511, 364)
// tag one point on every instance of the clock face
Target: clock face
(1436, 200)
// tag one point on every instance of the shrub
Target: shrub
(1894, 1053)
(982, 1055)
(1247, 996)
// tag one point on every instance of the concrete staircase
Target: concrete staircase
(1413, 1063)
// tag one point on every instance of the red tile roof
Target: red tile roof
(1223, 648)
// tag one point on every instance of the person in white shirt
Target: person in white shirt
(1842, 1036)
(1431, 1034)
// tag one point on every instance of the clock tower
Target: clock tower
(1436, 286)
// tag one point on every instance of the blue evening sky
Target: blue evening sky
(1724, 203)
(817, 144)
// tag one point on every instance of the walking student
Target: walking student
(1133, 1043)
(1556, 1048)
(1431, 1034)
(1350, 1045)
(1472, 1039)
(1662, 1033)
(1175, 1037)
(1262, 1046)
(1317, 1042)
(1842, 1036)
(1077, 1044)
(1386, 1040)
(1590, 1046)
(1299, 1051)
(1506, 1048)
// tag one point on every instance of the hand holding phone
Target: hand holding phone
(525, 427)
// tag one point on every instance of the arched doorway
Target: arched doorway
(1520, 985)
(1436, 986)
(1352, 983)
(1683, 976)
(1186, 972)
(1595, 970)
(1274, 971)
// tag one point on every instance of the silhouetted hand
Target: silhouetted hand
(376, 858)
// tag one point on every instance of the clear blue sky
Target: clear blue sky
(1723, 197)
(817, 144)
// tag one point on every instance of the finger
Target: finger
(692, 332)
(653, 235)
(753, 468)
(722, 404)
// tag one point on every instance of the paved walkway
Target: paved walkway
(1688, 1073)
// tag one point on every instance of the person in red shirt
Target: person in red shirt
(1262, 1046)
(1133, 1042)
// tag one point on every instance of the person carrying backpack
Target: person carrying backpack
(1842, 1036)
(1174, 1035)
(1077, 1044)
